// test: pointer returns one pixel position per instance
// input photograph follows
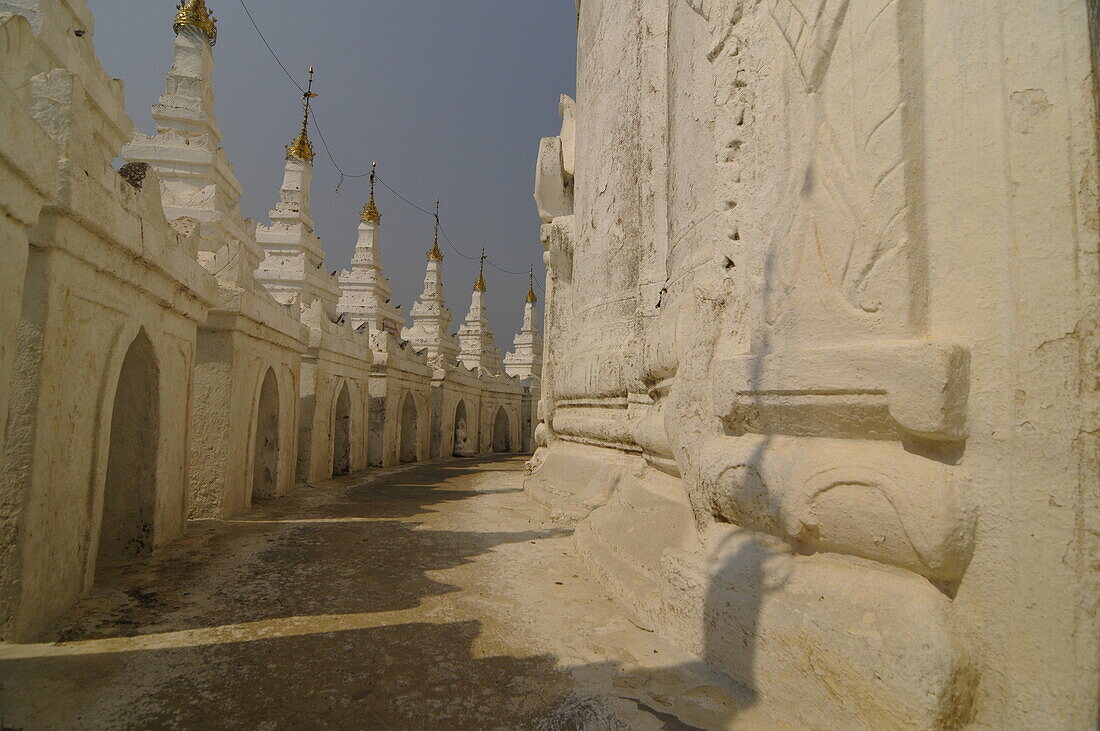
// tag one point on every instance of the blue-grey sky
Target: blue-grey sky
(449, 96)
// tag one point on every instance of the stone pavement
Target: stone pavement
(431, 596)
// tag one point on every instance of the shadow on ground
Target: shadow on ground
(321, 610)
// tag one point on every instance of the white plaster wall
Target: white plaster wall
(229, 373)
(447, 392)
(104, 265)
(392, 388)
(80, 313)
(28, 177)
(1012, 230)
(840, 274)
(321, 386)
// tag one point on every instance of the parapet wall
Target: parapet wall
(146, 375)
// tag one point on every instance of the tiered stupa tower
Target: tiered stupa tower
(366, 291)
(199, 189)
(526, 360)
(294, 267)
(200, 196)
(430, 331)
(477, 349)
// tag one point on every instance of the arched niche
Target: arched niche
(341, 432)
(265, 448)
(409, 429)
(502, 431)
(462, 437)
(129, 494)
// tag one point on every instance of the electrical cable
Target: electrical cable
(343, 175)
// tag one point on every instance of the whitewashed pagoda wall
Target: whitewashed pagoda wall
(820, 337)
(528, 414)
(29, 177)
(236, 351)
(455, 430)
(481, 395)
(337, 359)
(500, 393)
(243, 439)
(398, 375)
(107, 278)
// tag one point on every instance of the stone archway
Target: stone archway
(129, 494)
(462, 432)
(341, 433)
(265, 449)
(409, 430)
(502, 431)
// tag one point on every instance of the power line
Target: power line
(455, 248)
(269, 48)
(294, 81)
(343, 175)
(422, 210)
(502, 269)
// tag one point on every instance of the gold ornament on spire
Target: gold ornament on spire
(531, 292)
(479, 285)
(301, 148)
(195, 13)
(435, 254)
(370, 212)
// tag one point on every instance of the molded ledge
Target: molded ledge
(920, 386)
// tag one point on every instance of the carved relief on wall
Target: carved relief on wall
(844, 242)
(807, 404)
(790, 418)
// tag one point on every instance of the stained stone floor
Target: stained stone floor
(433, 596)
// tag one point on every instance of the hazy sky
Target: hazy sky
(449, 96)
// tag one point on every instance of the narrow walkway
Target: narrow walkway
(434, 596)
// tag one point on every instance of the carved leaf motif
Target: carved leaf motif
(848, 55)
(721, 17)
(811, 29)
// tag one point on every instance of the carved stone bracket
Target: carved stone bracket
(882, 391)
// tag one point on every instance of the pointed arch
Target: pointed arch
(462, 424)
(129, 494)
(265, 440)
(409, 429)
(341, 432)
(502, 431)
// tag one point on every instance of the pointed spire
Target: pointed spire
(301, 147)
(525, 360)
(435, 254)
(474, 336)
(479, 285)
(195, 13)
(370, 212)
(431, 318)
(531, 291)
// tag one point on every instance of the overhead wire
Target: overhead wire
(343, 175)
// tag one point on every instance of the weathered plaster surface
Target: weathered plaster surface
(247, 334)
(104, 269)
(817, 393)
(161, 358)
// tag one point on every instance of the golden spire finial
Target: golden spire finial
(435, 254)
(531, 292)
(194, 12)
(479, 285)
(370, 212)
(301, 147)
